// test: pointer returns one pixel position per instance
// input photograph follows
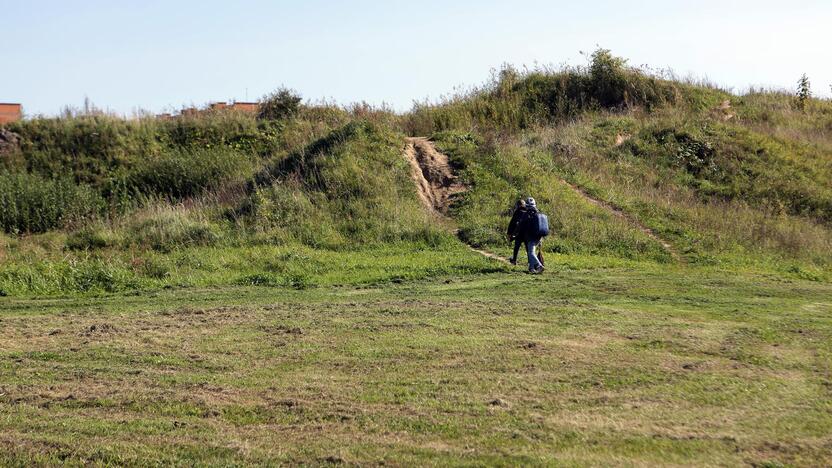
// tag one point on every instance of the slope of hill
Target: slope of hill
(631, 167)
(321, 287)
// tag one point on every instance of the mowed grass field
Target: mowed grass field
(631, 365)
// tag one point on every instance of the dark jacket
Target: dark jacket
(514, 224)
(526, 224)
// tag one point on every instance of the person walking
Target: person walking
(513, 233)
(534, 226)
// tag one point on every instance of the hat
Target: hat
(530, 203)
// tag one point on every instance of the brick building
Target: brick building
(236, 106)
(10, 112)
(251, 107)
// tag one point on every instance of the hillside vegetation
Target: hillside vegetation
(227, 289)
(309, 195)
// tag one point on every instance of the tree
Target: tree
(804, 92)
(608, 78)
(281, 104)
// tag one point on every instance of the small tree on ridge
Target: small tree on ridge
(804, 92)
(281, 104)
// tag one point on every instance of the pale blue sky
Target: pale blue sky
(161, 55)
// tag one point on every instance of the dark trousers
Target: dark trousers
(518, 242)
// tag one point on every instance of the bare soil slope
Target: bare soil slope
(432, 173)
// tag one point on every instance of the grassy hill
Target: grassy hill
(93, 202)
(224, 289)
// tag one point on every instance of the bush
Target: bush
(234, 130)
(608, 78)
(804, 92)
(279, 105)
(32, 204)
(287, 209)
(184, 173)
(151, 267)
(96, 275)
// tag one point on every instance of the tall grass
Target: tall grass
(166, 229)
(185, 173)
(30, 203)
(731, 182)
(513, 101)
(499, 173)
(350, 187)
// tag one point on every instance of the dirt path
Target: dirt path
(628, 217)
(436, 184)
(432, 173)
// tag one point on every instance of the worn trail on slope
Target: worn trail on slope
(435, 181)
(432, 173)
(627, 217)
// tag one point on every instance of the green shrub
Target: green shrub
(31, 204)
(151, 267)
(608, 78)
(804, 92)
(281, 104)
(183, 173)
(232, 130)
(97, 275)
(286, 210)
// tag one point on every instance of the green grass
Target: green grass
(29, 203)
(499, 174)
(630, 364)
(231, 290)
(267, 265)
(734, 181)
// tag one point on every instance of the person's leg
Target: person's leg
(540, 253)
(517, 243)
(534, 264)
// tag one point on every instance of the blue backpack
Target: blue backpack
(536, 225)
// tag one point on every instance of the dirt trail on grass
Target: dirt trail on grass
(432, 173)
(436, 184)
(618, 212)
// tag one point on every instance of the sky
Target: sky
(162, 55)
